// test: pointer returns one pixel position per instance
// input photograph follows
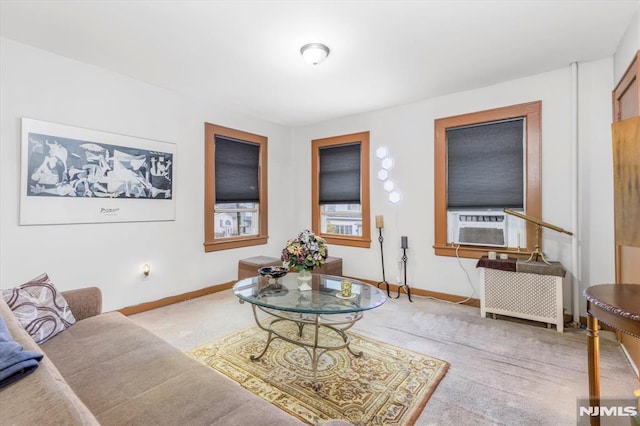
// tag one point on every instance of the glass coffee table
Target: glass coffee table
(317, 303)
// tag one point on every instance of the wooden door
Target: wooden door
(626, 172)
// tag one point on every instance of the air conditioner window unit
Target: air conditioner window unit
(481, 228)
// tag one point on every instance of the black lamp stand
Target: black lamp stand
(384, 279)
(404, 285)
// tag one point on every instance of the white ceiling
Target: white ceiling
(244, 55)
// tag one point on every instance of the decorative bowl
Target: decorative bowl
(273, 271)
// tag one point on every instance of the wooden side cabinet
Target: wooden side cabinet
(626, 166)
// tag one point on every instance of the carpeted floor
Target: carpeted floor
(501, 372)
(387, 385)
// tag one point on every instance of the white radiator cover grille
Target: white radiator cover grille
(529, 296)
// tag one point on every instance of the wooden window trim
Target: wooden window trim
(344, 240)
(629, 81)
(532, 111)
(210, 242)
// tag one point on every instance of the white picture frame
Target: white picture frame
(75, 175)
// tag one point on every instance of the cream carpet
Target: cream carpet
(501, 372)
(387, 385)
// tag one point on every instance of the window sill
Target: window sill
(234, 243)
(346, 241)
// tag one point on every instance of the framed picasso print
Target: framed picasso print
(76, 175)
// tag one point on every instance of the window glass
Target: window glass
(343, 219)
(235, 219)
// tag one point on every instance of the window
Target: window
(340, 189)
(235, 188)
(499, 184)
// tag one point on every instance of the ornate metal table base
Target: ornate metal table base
(315, 348)
(313, 315)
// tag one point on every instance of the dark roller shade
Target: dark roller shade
(340, 174)
(485, 165)
(236, 171)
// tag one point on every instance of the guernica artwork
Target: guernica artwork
(75, 175)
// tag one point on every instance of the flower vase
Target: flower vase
(304, 275)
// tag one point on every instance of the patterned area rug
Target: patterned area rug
(387, 385)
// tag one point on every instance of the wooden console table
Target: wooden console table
(618, 306)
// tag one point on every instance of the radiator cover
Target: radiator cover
(522, 295)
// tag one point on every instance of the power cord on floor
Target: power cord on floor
(473, 290)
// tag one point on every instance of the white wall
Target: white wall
(408, 132)
(596, 174)
(627, 48)
(48, 87)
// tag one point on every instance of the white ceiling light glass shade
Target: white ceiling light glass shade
(381, 152)
(394, 197)
(387, 163)
(383, 175)
(388, 186)
(314, 53)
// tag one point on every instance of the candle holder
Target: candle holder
(384, 279)
(404, 285)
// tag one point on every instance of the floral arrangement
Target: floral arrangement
(305, 252)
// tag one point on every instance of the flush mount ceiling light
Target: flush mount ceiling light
(314, 53)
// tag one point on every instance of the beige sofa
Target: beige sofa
(105, 369)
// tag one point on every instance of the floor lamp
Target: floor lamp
(380, 225)
(404, 244)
